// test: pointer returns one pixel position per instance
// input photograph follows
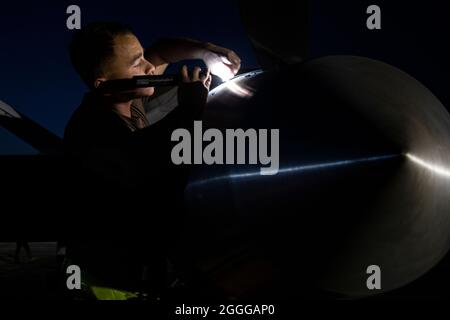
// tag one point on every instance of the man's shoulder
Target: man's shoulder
(91, 124)
(83, 118)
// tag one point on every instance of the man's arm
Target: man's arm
(171, 50)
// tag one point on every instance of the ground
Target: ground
(35, 279)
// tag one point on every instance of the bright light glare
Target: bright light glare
(221, 70)
(442, 171)
(234, 86)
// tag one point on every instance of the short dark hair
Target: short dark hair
(93, 45)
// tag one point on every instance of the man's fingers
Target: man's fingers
(233, 57)
(204, 75)
(232, 61)
(208, 81)
(218, 49)
(196, 74)
(236, 62)
(184, 74)
(236, 68)
(207, 78)
(225, 60)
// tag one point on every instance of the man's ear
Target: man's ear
(98, 81)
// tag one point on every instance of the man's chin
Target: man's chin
(135, 94)
(146, 92)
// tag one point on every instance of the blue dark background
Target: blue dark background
(36, 76)
(37, 79)
(414, 36)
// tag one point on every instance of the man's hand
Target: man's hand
(193, 92)
(222, 62)
(204, 78)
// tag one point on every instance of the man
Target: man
(107, 51)
(111, 136)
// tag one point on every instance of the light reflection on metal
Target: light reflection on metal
(235, 87)
(7, 111)
(295, 169)
(238, 90)
(442, 171)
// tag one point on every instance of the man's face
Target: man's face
(128, 61)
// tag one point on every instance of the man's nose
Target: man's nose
(150, 68)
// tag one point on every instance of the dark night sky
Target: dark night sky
(36, 75)
(414, 36)
(37, 79)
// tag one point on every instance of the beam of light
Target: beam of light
(439, 170)
(238, 90)
(295, 169)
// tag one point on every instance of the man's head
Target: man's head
(109, 50)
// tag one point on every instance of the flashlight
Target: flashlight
(139, 82)
(136, 82)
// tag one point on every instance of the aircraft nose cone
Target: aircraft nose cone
(364, 179)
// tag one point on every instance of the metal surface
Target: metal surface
(38, 137)
(364, 180)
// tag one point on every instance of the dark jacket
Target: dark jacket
(132, 191)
